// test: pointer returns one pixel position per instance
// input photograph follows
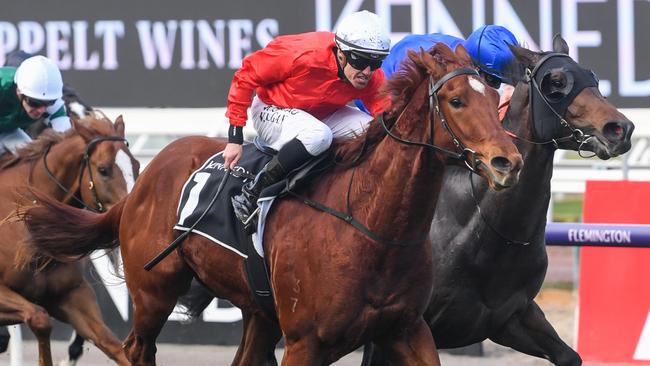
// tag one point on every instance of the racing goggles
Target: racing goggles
(360, 61)
(37, 103)
(491, 80)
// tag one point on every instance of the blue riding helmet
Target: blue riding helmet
(398, 52)
(488, 46)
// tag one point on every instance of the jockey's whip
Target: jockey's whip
(178, 241)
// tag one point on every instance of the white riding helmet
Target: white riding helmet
(39, 78)
(364, 33)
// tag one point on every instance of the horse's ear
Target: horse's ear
(525, 56)
(462, 54)
(84, 131)
(444, 52)
(119, 125)
(416, 56)
(560, 45)
(73, 117)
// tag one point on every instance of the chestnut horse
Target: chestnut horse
(88, 166)
(489, 252)
(334, 286)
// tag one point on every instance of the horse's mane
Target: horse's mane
(401, 87)
(49, 137)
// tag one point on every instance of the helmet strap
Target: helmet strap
(341, 73)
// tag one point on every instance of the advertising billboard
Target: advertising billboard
(162, 53)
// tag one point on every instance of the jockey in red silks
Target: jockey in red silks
(303, 84)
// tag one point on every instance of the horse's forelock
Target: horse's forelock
(446, 60)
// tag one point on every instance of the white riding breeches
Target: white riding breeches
(13, 140)
(276, 126)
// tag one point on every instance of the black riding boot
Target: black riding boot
(245, 204)
(291, 156)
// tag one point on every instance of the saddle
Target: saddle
(218, 222)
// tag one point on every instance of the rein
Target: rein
(576, 134)
(462, 155)
(85, 163)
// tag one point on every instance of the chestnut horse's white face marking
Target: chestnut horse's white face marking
(123, 161)
(477, 85)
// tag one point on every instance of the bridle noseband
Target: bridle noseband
(85, 163)
(467, 155)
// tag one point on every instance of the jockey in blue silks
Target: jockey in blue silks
(487, 46)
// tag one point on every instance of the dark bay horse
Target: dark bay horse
(89, 166)
(335, 288)
(489, 254)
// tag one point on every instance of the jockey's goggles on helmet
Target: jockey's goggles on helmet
(491, 80)
(360, 61)
(37, 103)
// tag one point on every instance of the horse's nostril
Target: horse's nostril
(615, 131)
(501, 164)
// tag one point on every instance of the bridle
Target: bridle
(467, 155)
(575, 134)
(85, 163)
(463, 154)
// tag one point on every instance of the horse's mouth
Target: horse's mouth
(498, 180)
(605, 149)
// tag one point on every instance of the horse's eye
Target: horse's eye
(557, 83)
(103, 171)
(456, 103)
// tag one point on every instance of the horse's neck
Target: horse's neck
(527, 202)
(63, 161)
(399, 184)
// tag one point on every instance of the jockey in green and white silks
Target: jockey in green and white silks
(30, 93)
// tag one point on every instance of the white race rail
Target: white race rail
(15, 345)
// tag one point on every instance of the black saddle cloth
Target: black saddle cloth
(219, 224)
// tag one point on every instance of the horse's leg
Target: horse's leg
(16, 309)
(80, 309)
(373, 355)
(75, 349)
(413, 346)
(153, 301)
(258, 341)
(305, 351)
(4, 339)
(529, 332)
